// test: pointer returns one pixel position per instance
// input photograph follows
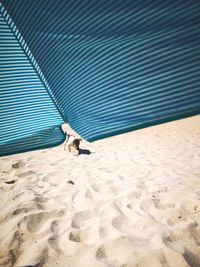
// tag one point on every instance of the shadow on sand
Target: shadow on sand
(84, 152)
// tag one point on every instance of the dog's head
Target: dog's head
(76, 142)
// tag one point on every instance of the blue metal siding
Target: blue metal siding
(28, 116)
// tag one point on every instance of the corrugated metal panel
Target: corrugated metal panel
(115, 66)
(28, 117)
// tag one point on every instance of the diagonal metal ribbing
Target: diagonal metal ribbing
(28, 116)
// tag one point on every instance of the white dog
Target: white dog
(72, 143)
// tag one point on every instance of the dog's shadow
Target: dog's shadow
(84, 152)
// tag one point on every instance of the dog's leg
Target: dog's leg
(69, 148)
(65, 145)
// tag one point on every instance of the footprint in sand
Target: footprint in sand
(25, 174)
(170, 240)
(83, 218)
(75, 236)
(102, 257)
(178, 216)
(88, 194)
(18, 164)
(156, 210)
(131, 227)
(167, 213)
(100, 253)
(35, 222)
(43, 258)
(14, 248)
(193, 259)
(89, 235)
(192, 206)
(134, 194)
(195, 233)
(20, 210)
(156, 194)
(29, 208)
(107, 258)
(122, 225)
(41, 199)
(120, 251)
(160, 206)
(55, 227)
(53, 243)
(178, 237)
(142, 186)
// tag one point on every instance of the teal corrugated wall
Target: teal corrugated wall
(114, 66)
(28, 117)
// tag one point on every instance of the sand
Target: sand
(133, 201)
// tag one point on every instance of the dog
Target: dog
(72, 143)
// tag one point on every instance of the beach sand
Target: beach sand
(133, 201)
